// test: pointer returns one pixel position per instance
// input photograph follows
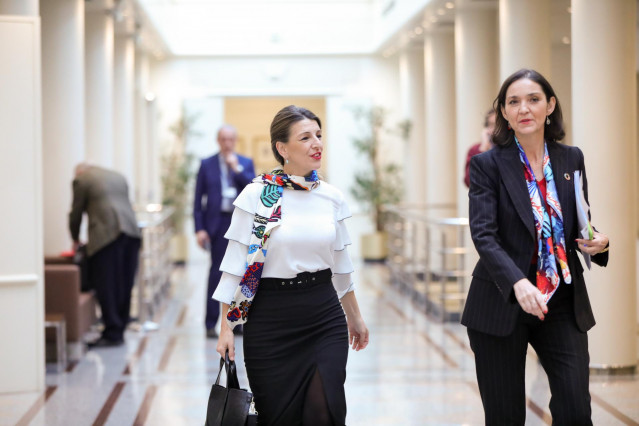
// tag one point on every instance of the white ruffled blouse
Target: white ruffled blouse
(311, 237)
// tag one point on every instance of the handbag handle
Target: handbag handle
(231, 372)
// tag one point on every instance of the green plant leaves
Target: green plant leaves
(380, 182)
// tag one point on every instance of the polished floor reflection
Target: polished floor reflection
(416, 371)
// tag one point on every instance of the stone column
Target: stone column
(19, 7)
(99, 87)
(155, 153)
(524, 36)
(142, 163)
(477, 81)
(123, 110)
(22, 363)
(439, 64)
(605, 128)
(62, 113)
(411, 82)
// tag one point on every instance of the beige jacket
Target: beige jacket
(104, 195)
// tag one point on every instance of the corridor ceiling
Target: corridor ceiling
(266, 27)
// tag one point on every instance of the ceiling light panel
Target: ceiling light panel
(252, 27)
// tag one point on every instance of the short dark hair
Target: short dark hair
(553, 132)
(281, 126)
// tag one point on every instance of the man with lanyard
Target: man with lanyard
(220, 179)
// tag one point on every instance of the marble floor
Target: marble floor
(415, 371)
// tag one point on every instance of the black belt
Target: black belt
(302, 280)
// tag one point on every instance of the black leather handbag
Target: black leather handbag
(230, 405)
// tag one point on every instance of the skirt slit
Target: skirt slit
(289, 336)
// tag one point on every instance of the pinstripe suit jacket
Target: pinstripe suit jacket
(503, 230)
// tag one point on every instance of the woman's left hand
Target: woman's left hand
(596, 245)
(357, 333)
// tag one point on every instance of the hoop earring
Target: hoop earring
(548, 121)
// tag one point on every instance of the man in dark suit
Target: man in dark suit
(220, 179)
(113, 246)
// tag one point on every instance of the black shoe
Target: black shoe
(103, 342)
(211, 334)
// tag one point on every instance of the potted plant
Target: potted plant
(379, 183)
(177, 173)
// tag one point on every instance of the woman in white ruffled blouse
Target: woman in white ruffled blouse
(287, 278)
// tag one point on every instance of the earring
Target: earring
(548, 121)
(509, 128)
(287, 161)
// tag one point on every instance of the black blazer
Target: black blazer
(502, 227)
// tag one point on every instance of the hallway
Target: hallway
(414, 372)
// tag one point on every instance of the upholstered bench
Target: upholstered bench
(62, 295)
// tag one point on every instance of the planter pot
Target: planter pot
(374, 246)
(179, 248)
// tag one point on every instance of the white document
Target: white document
(585, 230)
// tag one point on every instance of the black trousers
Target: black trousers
(563, 352)
(112, 273)
(218, 249)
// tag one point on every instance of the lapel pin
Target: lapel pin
(567, 176)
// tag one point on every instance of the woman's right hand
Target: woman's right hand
(530, 298)
(226, 341)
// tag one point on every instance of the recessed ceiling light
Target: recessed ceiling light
(418, 30)
(441, 12)
(450, 5)
(433, 19)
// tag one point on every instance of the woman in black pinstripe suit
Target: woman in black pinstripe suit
(528, 284)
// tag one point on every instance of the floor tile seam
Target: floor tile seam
(612, 410)
(135, 358)
(145, 406)
(37, 405)
(182, 316)
(108, 405)
(166, 354)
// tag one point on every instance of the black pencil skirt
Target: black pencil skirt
(293, 331)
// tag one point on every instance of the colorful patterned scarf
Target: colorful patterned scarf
(268, 215)
(551, 244)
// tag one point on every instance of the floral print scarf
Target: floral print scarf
(268, 215)
(551, 243)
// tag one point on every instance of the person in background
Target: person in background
(528, 285)
(287, 278)
(483, 146)
(113, 246)
(219, 180)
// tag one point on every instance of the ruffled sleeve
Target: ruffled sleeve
(342, 265)
(239, 234)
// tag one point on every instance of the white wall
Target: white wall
(21, 289)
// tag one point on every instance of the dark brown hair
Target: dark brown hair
(281, 126)
(553, 132)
